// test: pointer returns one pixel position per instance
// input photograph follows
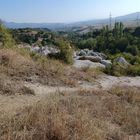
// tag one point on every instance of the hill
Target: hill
(128, 20)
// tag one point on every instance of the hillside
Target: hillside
(41, 89)
(128, 20)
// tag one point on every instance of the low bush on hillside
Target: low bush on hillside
(120, 70)
(6, 38)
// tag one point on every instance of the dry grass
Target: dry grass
(22, 66)
(84, 115)
(10, 87)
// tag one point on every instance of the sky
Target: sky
(58, 11)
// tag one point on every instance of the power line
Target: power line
(137, 19)
(110, 21)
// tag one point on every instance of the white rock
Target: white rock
(121, 60)
(107, 63)
(87, 63)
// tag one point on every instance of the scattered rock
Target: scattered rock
(121, 60)
(45, 50)
(91, 56)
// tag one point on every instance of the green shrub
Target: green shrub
(6, 38)
(133, 70)
(66, 52)
(133, 49)
(120, 70)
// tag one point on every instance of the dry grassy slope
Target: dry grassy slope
(87, 110)
(81, 115)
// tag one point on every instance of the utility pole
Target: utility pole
(110, 21)
(137, 19)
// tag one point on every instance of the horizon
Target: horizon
(52, 11)
(70, 22)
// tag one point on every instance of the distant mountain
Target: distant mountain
(128, 20)
(34, 25)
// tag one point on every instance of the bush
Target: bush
(132, 49)
(66, 52)
(120, 70)
(6, 38)
(122, 44)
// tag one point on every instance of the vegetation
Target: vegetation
(116, 42)
(112, 114)
(6, 38)
(92, 115)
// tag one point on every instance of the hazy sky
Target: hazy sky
(64, 10)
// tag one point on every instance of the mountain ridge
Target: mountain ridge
(132, 17)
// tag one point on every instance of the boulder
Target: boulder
(35, 49)
(87, 51)
(87, 63)
(91, 58)
(82, 53)
(102, 55)
(121, 60)
(107, 63)
(91, 53)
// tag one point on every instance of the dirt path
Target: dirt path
(13, 103)
(104, 82)
(107, 82)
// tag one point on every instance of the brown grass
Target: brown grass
(20, 65)
(84, 115)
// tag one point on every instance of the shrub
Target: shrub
(6, 38)
(66, 52)
(132, 49)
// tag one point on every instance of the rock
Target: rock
(102, 55)
(45, 50)
(49, 50)
(91, 58)
(87, 63)
(35, 49)
(107, 63)
(121, 60)
(91, 53)
(82, 53)
(86, 50)
(75, 55)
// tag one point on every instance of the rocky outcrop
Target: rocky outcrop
(91, 58)
(86, 57)
(87, 52)
(87, 63)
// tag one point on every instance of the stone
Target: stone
(102, 55)
(87, 63)
(35, 49)
(107, 63)
(121, 60)
(91, 58)
(82, 53)
(91, 53)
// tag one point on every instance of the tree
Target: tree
(133, 49)
(5, 37)
(137, 32)
(66, 52)
(121, 44)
